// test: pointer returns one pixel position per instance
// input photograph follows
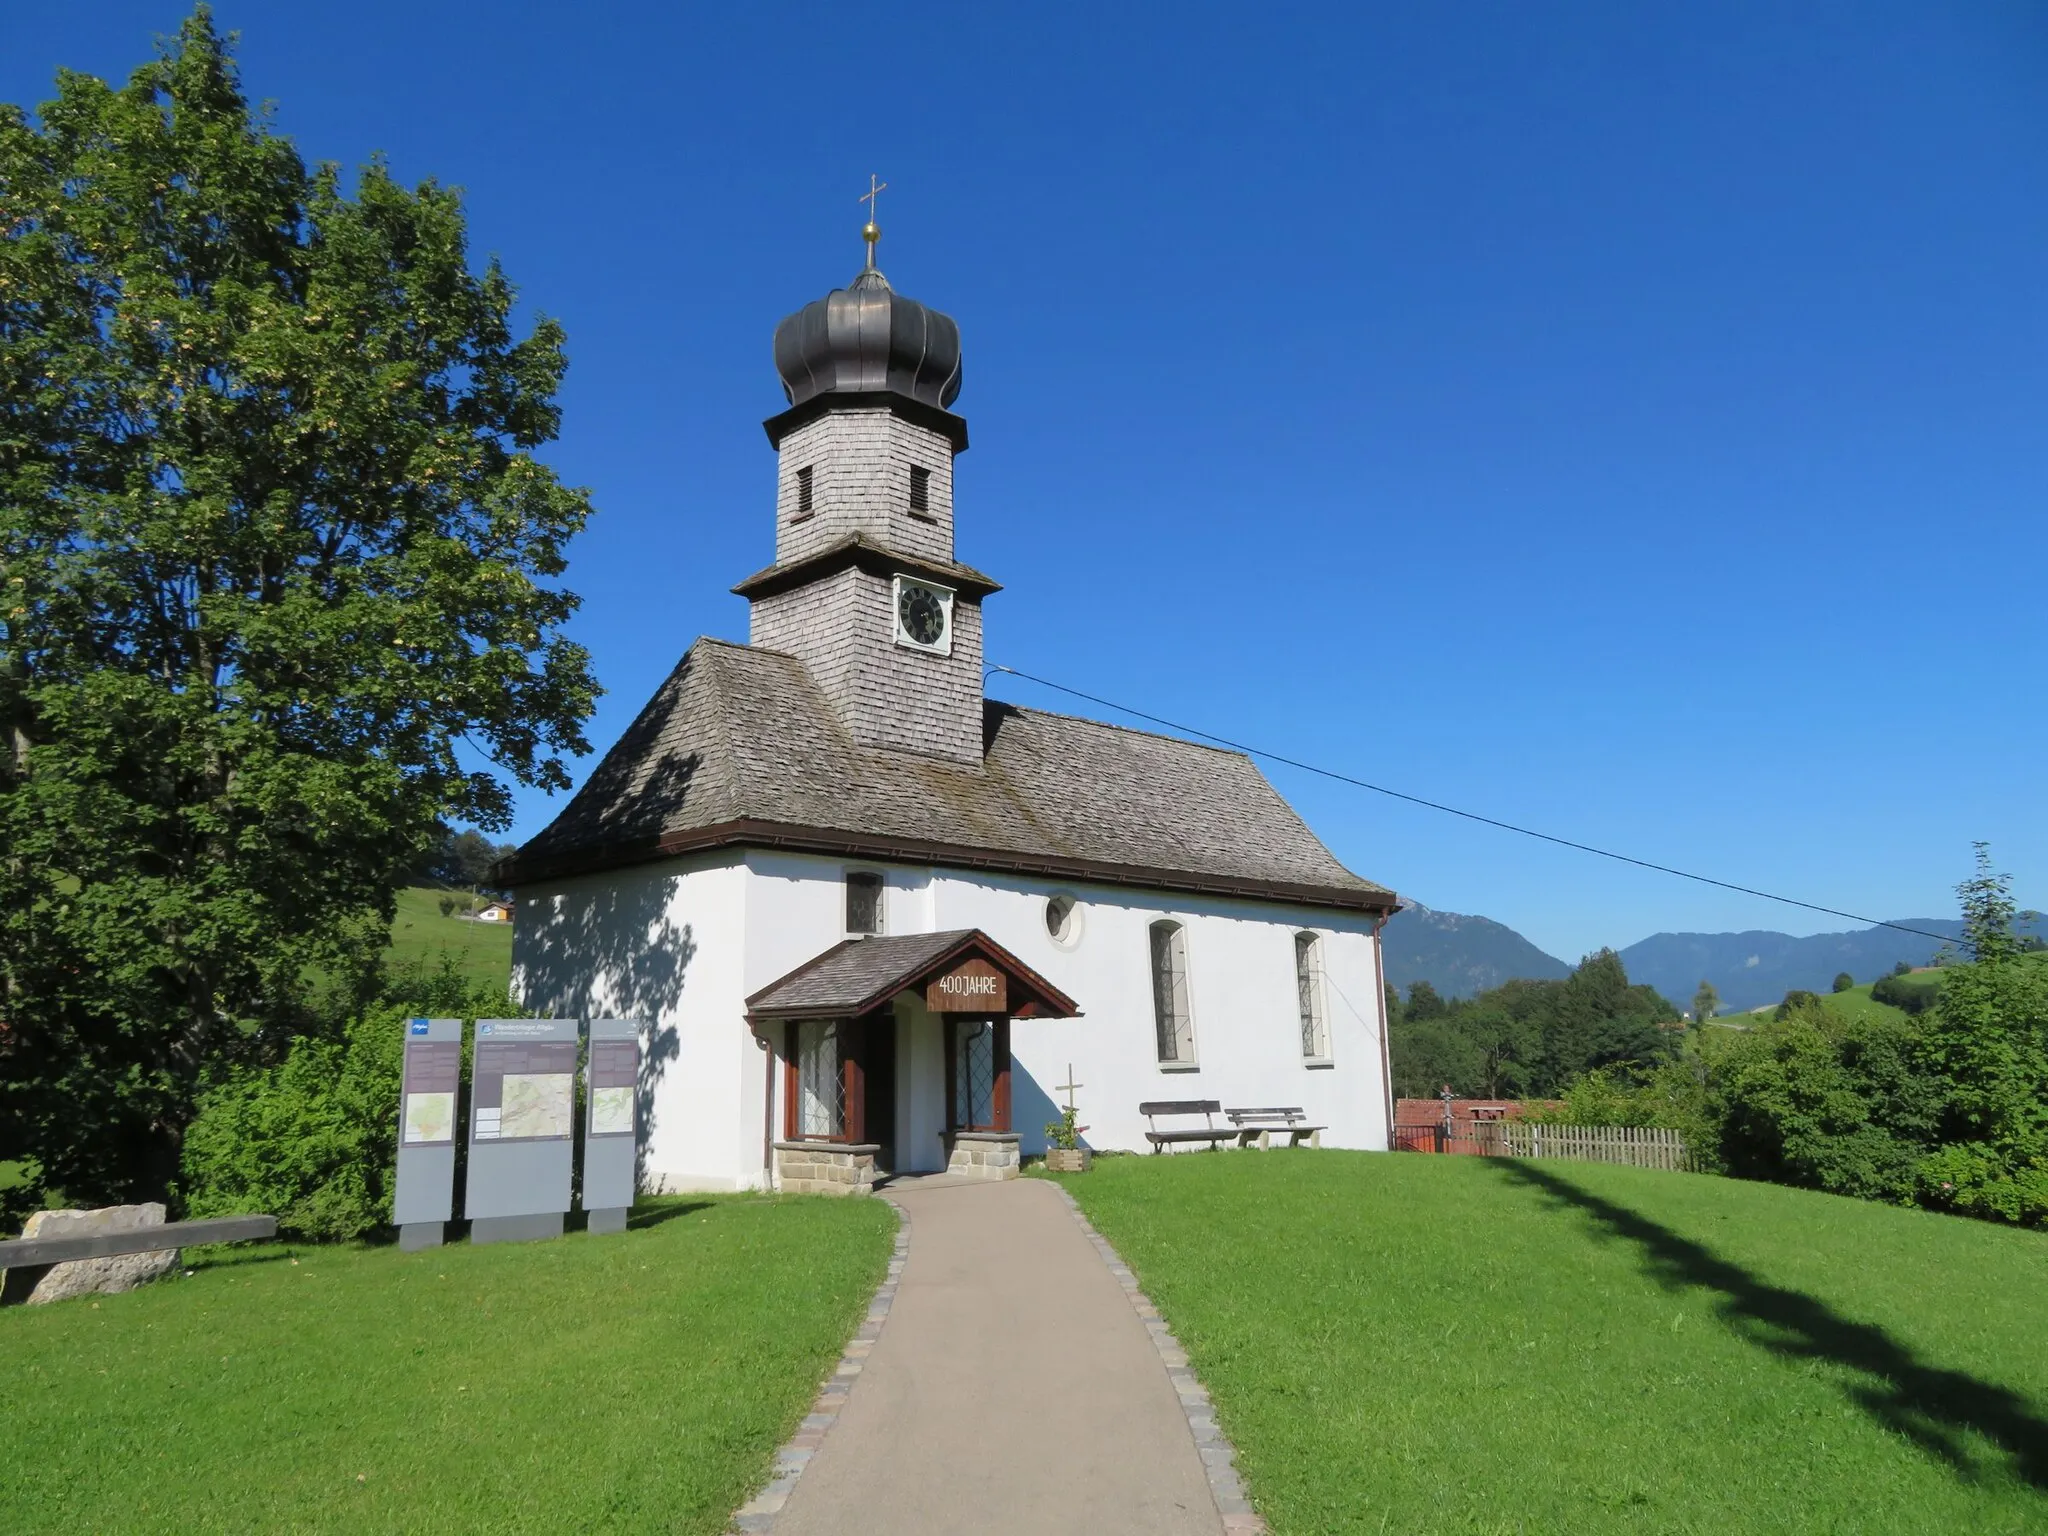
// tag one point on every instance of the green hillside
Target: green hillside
(1857, 1003)
(421, 938)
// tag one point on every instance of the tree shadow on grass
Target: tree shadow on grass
(1931, 1406)
(648, 1215)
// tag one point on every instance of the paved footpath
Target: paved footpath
(1013, 1389)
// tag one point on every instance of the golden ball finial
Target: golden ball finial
(871, 232)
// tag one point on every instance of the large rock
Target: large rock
(85, 1277)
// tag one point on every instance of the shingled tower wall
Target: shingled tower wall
(864, 503)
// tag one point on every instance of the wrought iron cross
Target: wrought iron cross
(1069, 1086)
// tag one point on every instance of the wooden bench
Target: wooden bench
(1262, 1123)
(40, 1252)
(1208, 1109)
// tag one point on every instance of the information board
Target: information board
(430, 1087)
(611, 1145)
(522, 1128)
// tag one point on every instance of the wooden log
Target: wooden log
(25, 1253)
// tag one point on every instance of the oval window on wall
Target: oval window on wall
(1063, 920)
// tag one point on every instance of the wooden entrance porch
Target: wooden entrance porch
(892, 1054)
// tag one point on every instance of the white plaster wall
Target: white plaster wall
(1242, 994)
(663, 943)
(681, 945)
(1241, 975)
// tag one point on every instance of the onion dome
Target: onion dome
(866, 338)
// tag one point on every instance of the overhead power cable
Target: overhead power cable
(1452, 810)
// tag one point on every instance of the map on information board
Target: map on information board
(429, 1117)
(537, 1104)
(611, 1111)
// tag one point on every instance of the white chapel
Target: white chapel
(876, 923)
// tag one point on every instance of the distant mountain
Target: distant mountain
(1755, 968)
(1460, 955)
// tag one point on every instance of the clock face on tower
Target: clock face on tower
(923, 615)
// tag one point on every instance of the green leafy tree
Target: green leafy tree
(273, 545)
(1844, 981)
(1424, 1002)
(1705, 1003)
(1986, 1040)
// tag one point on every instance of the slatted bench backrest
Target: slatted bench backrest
(1283, 1116)
(1153, 1107)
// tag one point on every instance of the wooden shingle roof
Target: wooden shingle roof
(739, 747)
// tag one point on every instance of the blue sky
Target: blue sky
(1626, 419)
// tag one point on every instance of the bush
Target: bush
(1913, 994)
(310, 1141)
(313, 1140)
(1844, 981)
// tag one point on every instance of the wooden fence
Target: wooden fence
(1637, 1146)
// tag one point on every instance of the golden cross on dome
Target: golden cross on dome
(871, 231)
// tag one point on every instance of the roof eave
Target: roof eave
(866, 555)
(751, 833)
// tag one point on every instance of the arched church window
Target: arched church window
(1308, 989)
(1171, 1015)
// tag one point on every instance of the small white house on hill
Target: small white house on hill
(874, 920)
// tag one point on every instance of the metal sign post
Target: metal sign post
(423, 1197)
(611, 1142)
(522, 1129)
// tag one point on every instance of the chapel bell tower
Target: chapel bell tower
(864, 588)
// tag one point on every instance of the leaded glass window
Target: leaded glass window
(1308, 987)
(821, 1086)
(1171, 1015)
(974, 1074)
(863, 903)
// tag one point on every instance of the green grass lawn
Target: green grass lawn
(1445, 1344)
(630, 1383)
(421, 936)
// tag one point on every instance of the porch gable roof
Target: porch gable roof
(859, 976)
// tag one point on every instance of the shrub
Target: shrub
(447, 906)
(310, 1141)
(1913, 994)
(313, 1140)
(1844, 981)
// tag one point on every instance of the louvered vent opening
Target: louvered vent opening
(803, 493)
(921, 491)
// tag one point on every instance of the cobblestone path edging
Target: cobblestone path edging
(758, 1513)
(1219, 1456)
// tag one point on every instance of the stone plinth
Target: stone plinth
(825, 1167)
(983, 1154)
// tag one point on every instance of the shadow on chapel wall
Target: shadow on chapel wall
(1031, 1110)
(612, 951)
